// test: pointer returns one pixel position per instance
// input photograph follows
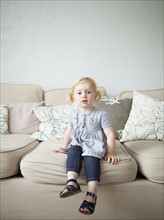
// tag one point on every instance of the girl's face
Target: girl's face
(84, 96)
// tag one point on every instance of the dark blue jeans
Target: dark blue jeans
(91, 164)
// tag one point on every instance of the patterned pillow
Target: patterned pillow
(146, 119)
(3, 119)
(53, 120)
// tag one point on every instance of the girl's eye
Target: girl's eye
(79, 93)
(89, 92)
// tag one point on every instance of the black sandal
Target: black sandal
(71, 190)
(89, 205)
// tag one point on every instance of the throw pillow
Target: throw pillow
(118, 111)
(146, 119)
(22, 119)
(3, 119)
(54, 121)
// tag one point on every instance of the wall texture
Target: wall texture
(54, 43)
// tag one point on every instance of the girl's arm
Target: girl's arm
(67, 137)
(110, 153)
(66, 142)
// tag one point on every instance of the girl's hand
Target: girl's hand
(59, 150)
(111, 158)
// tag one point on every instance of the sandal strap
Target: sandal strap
(71, 188)
(71, 180)
(89, 205)
(91, 194)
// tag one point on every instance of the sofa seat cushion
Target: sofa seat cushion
(150, 158)
(44, 166)
(13, 148)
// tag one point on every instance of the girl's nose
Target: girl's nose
(83, 94)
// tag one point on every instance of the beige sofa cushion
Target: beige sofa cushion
(44, 166)
(13, 147)
(20, 93)
(156, 94)
(59, 96)
(150, 158)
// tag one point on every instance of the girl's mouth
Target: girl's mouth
(84, 101)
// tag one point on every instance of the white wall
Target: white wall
(54, 43)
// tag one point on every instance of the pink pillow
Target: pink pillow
(22, 119)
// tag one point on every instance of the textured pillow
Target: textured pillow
(118, 111)
(54, 121)
(3, 119)
(22, 119)
(146, 119)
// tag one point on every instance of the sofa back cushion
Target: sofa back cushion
(156, 94)
(59, 96)
(20, 93)
(20, 100)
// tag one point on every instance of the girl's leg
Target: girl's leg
(92, 168)
(92, 171)
(74, 161)
(73, 168)
(92, 187)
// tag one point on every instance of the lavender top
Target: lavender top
(88, 131)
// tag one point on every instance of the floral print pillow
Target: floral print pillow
(146, 119)
(53, 121)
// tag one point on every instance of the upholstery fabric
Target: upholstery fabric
(20, 93)
(13, 147)
(59, 96)
(26, 200)
(150, 158)
(156, 94)
(44, 166)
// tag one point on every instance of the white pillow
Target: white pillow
(54, 121)
(146, 119)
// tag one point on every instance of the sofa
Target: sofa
(33, 122)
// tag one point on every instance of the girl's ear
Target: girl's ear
(98, 96)
(72, 97)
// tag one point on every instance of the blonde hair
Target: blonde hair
(91, 83)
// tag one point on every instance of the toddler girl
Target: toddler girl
(89, 138)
